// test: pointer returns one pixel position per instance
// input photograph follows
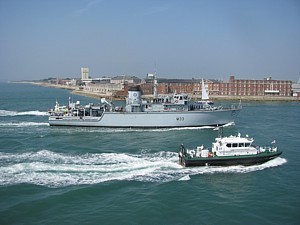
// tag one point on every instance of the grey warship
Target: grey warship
(160, 112)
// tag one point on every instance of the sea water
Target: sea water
(69, 175)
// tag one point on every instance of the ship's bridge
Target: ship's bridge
(180, 99)
(233, 145)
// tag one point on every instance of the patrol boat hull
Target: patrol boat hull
(229, 160)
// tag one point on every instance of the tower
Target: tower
(84, 73)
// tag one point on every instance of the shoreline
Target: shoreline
(77, 91)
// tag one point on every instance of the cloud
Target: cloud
(86, 8)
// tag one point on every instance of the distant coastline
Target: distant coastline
(75, 90)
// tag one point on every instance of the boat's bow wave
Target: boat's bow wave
(238, 168)
(26, 113)
(52, 169)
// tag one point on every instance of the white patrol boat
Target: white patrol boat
(227, 151)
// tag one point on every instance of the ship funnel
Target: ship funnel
(134, 96)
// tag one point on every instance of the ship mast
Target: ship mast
(155, 95)
(204, 91)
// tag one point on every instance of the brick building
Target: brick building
(267, 86)
(167, 86)
(190, 86)
(233, 87)
(193, 87)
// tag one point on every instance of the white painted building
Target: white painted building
(125, 79)
(107, 89)
(85, 74)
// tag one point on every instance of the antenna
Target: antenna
(155, 94)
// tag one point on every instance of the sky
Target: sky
(212, 39)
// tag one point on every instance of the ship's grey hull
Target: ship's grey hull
(149, 119)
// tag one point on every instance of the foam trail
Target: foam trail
(52, 169)
(194, 128)
(126, 130)
(185, 178)
(238, 169)
(55, 170)
(157, 129)
(23, 124)
(229, 124)
(26, 113)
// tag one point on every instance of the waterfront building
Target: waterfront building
(85, 74)
(105, 89)
(147, 88)
(246, 87)
(102, 80)
(166, 86)
(72, 82)
(233, 87)
(296, 89)
(125, 79)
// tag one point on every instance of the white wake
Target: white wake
(52, 169)
(26, 113)
(23, 124)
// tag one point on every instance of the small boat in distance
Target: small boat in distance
(228, 151)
